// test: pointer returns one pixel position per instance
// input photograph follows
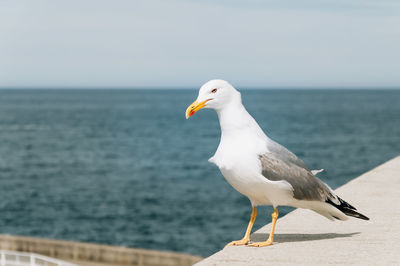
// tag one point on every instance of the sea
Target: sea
(124, 167)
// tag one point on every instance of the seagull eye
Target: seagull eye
(214, 90)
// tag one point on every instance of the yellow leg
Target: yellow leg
(270, 239)
(246, 237)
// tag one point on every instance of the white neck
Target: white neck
(234, 118)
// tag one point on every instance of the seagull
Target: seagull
(260, 168)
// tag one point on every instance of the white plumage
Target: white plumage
(259, 168)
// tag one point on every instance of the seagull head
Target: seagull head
(215, 94)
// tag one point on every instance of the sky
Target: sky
(184, 43)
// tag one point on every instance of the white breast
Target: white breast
(238, 161)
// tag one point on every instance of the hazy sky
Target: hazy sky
(182, 43)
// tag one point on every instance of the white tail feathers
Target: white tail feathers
(315, 172)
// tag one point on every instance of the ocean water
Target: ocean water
(124, 167)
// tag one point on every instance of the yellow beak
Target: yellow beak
(194, 107)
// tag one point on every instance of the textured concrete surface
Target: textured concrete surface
(305, 238)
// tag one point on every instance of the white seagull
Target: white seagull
(261, 169)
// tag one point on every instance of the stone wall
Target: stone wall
(94, 254)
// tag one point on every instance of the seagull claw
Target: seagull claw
(240, 242)
(261, 244)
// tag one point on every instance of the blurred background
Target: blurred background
(94, 143)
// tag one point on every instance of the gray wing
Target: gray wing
(281, 164)
(284, 154)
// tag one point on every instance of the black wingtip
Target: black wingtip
(347, 209)
(355, 214)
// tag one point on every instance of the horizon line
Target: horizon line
(196, 88)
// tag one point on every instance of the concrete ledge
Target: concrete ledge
(305, 238)
(94, 254)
